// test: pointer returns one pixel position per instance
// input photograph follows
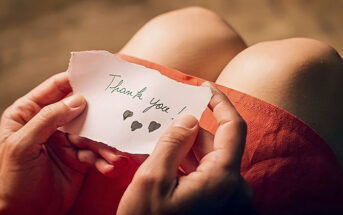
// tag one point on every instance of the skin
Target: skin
(42, 169)
(193, 40)
(304, 81)
(190, 170)
(214, 187)
(302, 76)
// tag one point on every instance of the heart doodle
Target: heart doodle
(127, 114)
(153, 126)
(136, 125)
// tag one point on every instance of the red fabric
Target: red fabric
(289, 166)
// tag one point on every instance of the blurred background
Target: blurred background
(37, 36)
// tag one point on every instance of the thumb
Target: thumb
(49, 118)
(173, 146)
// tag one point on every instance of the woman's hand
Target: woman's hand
(215, 186)
(40, 172)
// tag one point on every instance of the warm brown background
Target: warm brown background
(36, 36)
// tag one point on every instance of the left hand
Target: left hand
(40, 171)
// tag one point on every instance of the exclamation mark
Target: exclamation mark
(181, 111)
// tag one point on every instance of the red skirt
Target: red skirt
(290, 168)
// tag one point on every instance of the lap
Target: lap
(301, 76)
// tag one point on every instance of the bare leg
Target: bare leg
(302, 76)
(193, 40)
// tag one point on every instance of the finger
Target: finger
(45, 123)
(107, 160)
(104, 167)
(111, 155)
(172, 147)
(87, 156)
(50, 91)
(68, 154)
(221, 106)
(26, 107)
(229, 140)
(110, 170)
(203, 144)
(190, 163)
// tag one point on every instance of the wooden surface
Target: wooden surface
(37, 36)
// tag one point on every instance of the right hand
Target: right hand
(214, 187)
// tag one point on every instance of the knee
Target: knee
(300, 75)
(295, 57)
(287, 60)
(187, 26)
(185, 38)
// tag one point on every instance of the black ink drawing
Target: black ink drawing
(157, 104)
(153, 126)
(127, 114)
(136, 125)
(118, 88)
(181, 111)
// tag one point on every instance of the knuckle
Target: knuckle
(146, 178)
(7, 113)
(14, 148)
(13, 109)
(239, 125)
(57, 81)
(47, 113)
(150, 178)
(21, 110)
(171, 139)
(10, 145)
(175, 136)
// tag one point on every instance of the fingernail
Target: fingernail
(206, 84)
(185, 121)
(73, 138)
(74, 101)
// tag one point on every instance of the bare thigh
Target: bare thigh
(302, 76)
(193, 40)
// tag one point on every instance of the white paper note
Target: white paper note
(128, 105)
